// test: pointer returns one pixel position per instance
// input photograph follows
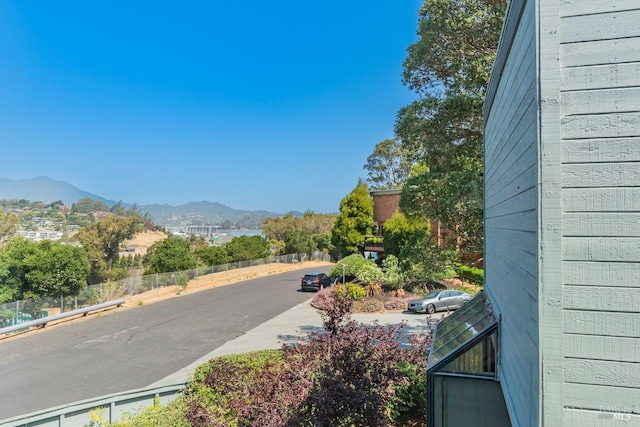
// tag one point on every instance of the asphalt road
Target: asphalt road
(135, 347)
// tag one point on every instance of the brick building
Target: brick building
(385, 204)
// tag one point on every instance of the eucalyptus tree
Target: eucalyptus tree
(449, 68)
(388, 166)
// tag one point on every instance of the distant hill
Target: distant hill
(46, 190)
(205, 213)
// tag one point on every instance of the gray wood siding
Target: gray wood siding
(600, 139)
(511, 221)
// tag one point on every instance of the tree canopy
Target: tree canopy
(354, 222)
(400, 232)
(279, 231)
(56, 269)
(213, 255)
(244, 248)
(300, 242)
(88, 205)
(454, 198)
(45, 268)
(168, 255)
(8, 225)
(101, 241)
(108, 234)
(388, 166)
(449, 68)
(13, 282)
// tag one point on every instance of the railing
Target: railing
(19, 312)
(373, 243)
(108, 408)
(45, 320)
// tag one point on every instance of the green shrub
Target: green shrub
(172, 414)
(392, 273)
(370, 273)
(473, 274)
(410, 398)
(352, 291)
(351, 265)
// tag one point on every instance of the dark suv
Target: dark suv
(315, 281)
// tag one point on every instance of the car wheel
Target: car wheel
(431, 309)
(463, 303)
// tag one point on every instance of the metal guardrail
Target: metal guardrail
(45, 320)
(113, 406)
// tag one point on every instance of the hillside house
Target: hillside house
(555, 338)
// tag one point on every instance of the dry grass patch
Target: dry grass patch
(145, 239)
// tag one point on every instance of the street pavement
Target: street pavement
(289, 326)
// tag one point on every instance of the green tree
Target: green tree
(423, 260)
(88, 205)
(8, 225)
(276, 247)
(137, 260)
(13, 282)
(244, 248)
(56, 269)
(449, 68)
(213, 255)
(354, 222)
(102, 239)
(400, 232)
(280, 228)
(300, 242)
(170, 254)
(388, 166)
(323, 242)
(455, 198)
(118, 209)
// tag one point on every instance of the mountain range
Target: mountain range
(47, 190)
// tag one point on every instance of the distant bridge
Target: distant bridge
(202, 230)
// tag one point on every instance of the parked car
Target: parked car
(315, 281)
(442, 299)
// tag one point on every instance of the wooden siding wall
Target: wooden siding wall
(511, 220)
(600, 140)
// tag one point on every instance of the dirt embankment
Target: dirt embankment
(222, 278)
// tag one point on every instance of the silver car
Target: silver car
(442, 299)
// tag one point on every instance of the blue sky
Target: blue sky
(257, 105)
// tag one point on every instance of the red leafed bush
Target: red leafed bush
(349, 374)
(357, 371)
(322, 298)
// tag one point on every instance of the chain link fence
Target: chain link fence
(36, 308)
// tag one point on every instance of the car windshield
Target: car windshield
(431, 295)
(310, 277)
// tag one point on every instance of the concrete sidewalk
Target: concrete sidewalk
(292, 324)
